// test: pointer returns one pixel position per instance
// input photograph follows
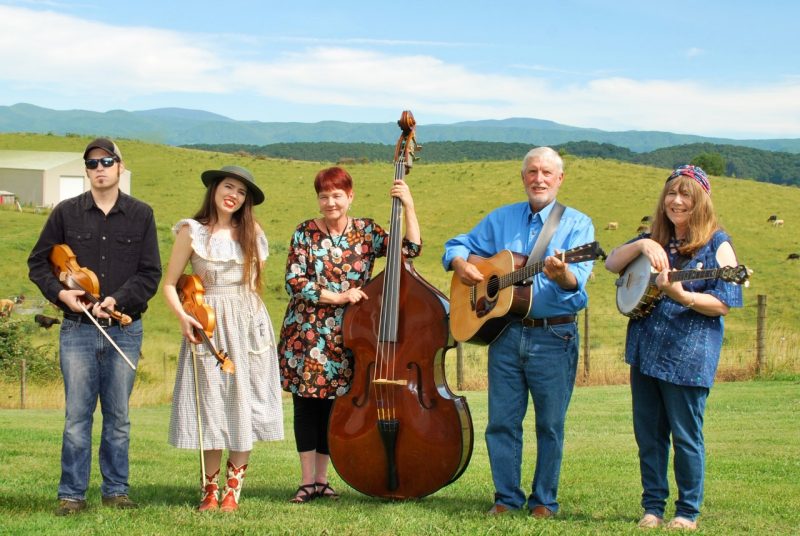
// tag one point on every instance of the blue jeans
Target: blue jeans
(542, 361)
(661, 409)
(92, 368)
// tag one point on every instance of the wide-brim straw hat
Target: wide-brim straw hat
(238, 173)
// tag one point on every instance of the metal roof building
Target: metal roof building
(44, 178)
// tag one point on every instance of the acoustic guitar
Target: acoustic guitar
(479, 313)
(637, 292)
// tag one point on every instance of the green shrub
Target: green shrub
(16, 345)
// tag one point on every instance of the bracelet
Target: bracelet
(691, 303)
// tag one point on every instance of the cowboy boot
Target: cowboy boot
(233, 487)
(210, 492)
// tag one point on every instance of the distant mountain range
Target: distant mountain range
(178, 126)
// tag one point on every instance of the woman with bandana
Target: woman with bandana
(674, 351)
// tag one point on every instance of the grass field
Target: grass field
(753, 467)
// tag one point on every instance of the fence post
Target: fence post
(22, 379)
(586, 360)
(761, 328)
(459, 366)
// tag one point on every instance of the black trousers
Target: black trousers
(311, 423)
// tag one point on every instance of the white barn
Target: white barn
(45, 178)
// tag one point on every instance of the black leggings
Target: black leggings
(311, 423)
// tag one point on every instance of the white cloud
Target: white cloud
(694, 52)
(77, 56)
(46, 51)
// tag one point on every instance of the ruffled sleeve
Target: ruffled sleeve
(216, 249)
(263, 246)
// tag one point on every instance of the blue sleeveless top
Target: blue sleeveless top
(677, 344)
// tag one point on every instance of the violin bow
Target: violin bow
(92, 318)
(199, 420)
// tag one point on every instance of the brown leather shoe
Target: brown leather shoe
(122, 502)
(68, 507)
(541, 512)
(498, 509)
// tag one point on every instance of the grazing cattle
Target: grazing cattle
(777, 223)
(6, 306)
(793, 257)
(643, 229)
(612, 226)
(646, 219)
(772, 218)
(46, 322)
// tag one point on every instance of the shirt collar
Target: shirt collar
(542, 214)
(87, 202)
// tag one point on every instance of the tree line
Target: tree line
(728, 160)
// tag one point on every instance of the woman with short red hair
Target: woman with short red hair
(330, 259)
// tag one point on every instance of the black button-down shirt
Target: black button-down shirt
(120, 247)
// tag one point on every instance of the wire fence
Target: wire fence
(753, 346)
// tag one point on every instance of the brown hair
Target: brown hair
(245, 225)
(702, 219)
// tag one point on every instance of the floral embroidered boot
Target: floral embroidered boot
(210, 492)
(233, 487)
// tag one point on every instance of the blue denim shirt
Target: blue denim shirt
(515, 227)
(677, 344)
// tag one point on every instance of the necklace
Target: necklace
(336, 250)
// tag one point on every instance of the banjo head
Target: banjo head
(633, 284)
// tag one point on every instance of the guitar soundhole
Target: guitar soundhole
(492, 287)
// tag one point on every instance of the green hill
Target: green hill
(743, 162)
(450, 199)
(177, 126)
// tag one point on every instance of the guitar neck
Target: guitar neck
(521, 274)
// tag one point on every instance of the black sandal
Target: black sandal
(325, 486)
(302, 496)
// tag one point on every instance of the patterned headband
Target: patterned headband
(694, 172)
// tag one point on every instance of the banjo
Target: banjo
(637, 292)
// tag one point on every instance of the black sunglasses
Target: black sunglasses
(108, 161)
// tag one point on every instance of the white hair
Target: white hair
(545, 153)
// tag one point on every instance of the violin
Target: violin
(190, 292)
(76, 277)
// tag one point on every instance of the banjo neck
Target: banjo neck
(689, 275)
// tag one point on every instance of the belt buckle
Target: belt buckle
(104, 322)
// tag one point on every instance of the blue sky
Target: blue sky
(718, 68)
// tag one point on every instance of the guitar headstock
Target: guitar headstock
(736, 274)
(586, 252)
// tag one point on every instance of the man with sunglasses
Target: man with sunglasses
(114, 236)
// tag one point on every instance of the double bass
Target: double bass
(399, 432)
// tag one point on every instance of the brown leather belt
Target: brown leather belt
(543, 322)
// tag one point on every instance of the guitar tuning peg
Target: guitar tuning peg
(699, 266)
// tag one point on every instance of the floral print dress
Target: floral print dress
(313, 361)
